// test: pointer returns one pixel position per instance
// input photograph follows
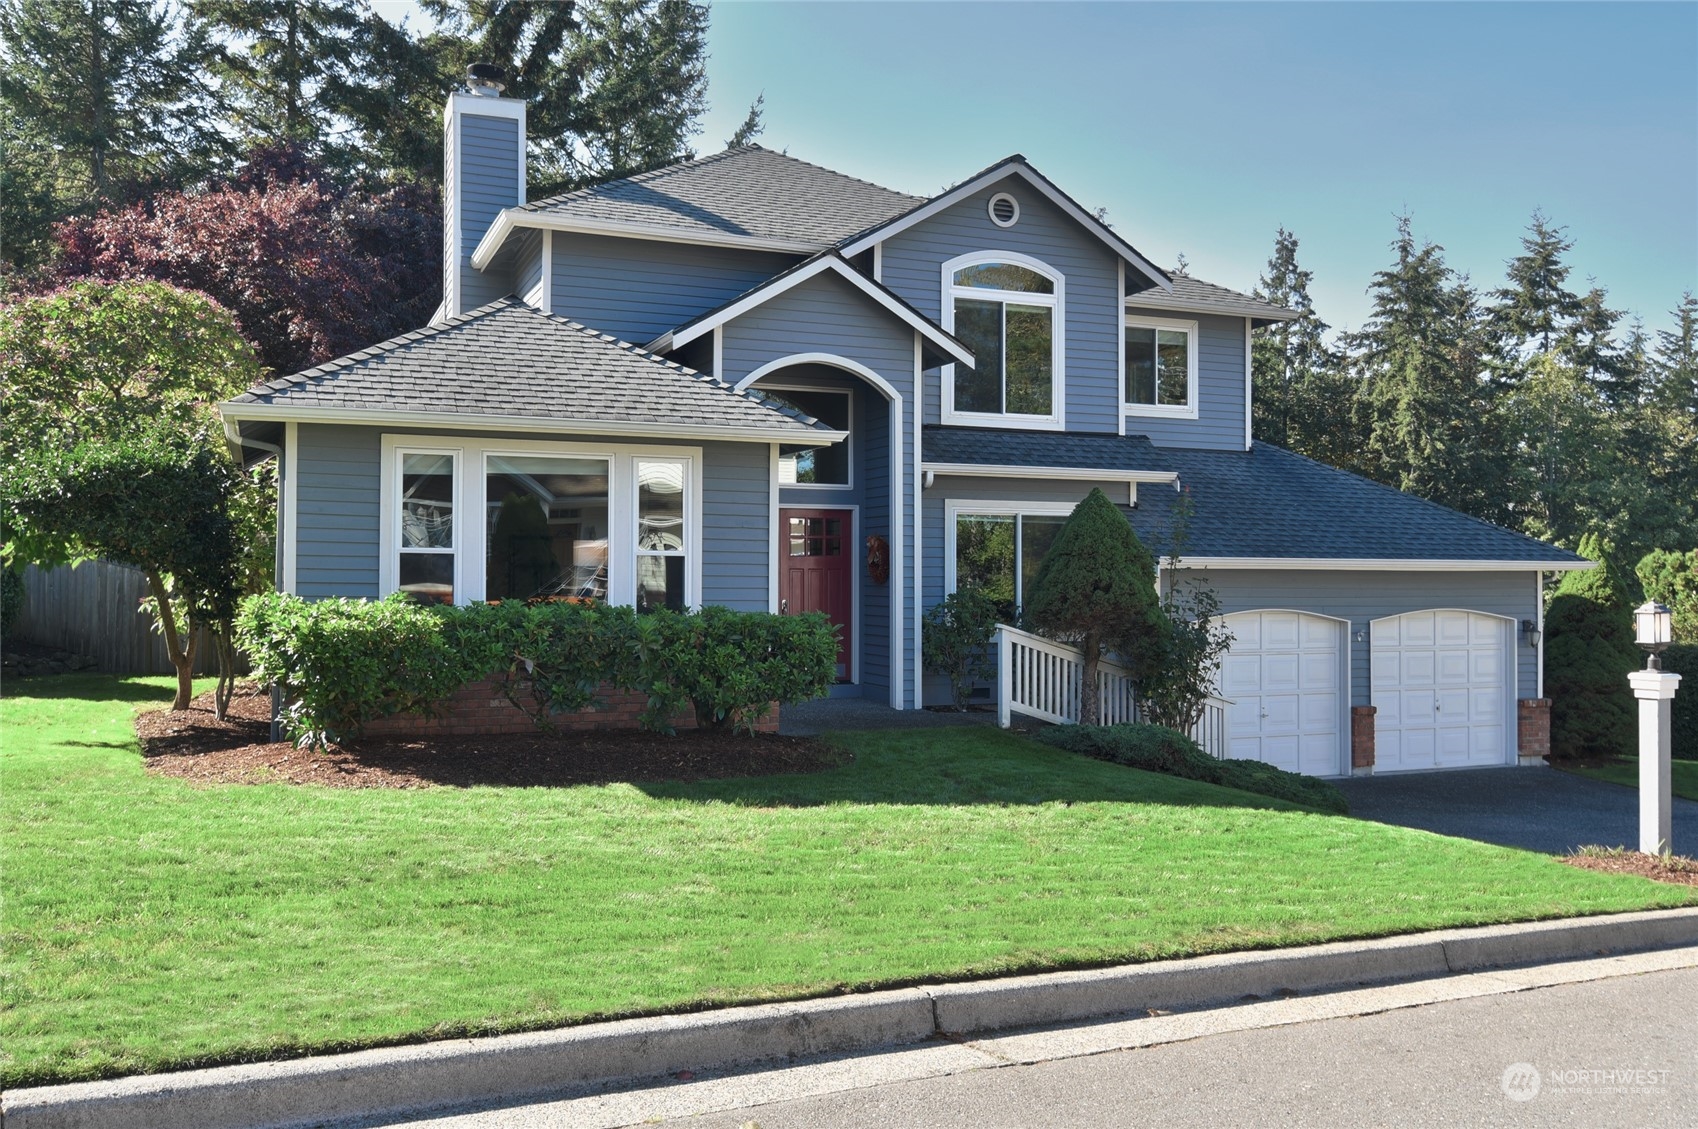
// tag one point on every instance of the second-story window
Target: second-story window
(1007, 309)
(1161, 367)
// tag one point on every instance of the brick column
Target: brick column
(1533, 730)
(1362, 740)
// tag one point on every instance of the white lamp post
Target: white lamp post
(1653, 629)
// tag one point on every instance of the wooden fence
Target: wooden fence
(93, 610)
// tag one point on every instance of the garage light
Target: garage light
(1530, 632)
(1653, 629)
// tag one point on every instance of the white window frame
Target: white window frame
(848, 444)
(1171, 411)
(691, 550)
(1057, 303)
(955, 509)
(471, 539)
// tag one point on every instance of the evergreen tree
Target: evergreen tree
(1426, 409)
(394, 109)
(1535, 308)
(1568, 470)
(1588, 653)
(1674, 368)
(1287, 356)
(1589, 345)
(281, 62)
(104, 99)
(753, 126)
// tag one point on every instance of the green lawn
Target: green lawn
(150, 924)
(1626, 771)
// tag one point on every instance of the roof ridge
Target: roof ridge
(1428, 502)
(836, 172)
(638, 178)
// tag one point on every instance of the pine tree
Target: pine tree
(1535, 309)
(1674, 368)
(393, 102)
(1589, 345)
(104, 99)
(1425, 406)
(280, 61)
(1568, 464)
(753, 126)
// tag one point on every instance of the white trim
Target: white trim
(1539, 647)
(833, 359)
(511, 219)
(471, 536)
(1249, 389)
(955, 508)
(718, 352)
(878, 262)
(917, 583)
(548, 272)
(849, 394)
(1154, 300)
(465, 421)
(1066, 474)
(1002, 172)
(1120, 351)
(758, 297)
(1346, 655)
(1511, 678)
(1057, 304)
(990, 210)
(291, 506)
(856, 567)
(1192, 377)
(898, 568)
(776, 533)
(1374, 564)
(460, 105)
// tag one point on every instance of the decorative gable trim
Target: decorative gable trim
(790, 279)
(1002, 170)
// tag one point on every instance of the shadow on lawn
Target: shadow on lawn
(89, 687)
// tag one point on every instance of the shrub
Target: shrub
(1682, 659)
(341, 663)
(1155, 748)
(1589, 651)
(957, 641)
(1670, 577)
(730, 665)
(547, 658)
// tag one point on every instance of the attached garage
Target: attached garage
(1442, 688)
(1287, 679)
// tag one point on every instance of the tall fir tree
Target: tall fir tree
(1535, 308)
(1589, 345)
(104, 99)
(282, 61)
(1426, 408)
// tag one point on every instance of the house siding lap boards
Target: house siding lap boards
(912, 261)
(489, 182)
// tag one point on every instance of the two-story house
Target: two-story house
(751, 381)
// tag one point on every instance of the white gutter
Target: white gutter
(1374, 564)
(513, 218)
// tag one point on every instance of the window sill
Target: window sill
(1158, 411)
(978, 419)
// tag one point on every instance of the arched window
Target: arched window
(1006, 308)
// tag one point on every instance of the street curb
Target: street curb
(393, 1080)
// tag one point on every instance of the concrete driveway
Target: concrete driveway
(1537, 809)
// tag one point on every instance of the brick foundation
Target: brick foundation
(480, 708)
(1533, 730)
(1362, 740)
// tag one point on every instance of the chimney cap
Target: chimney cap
(486, 79)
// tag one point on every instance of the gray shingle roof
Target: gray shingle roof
(508, 360)
(976, 446)
(1268, 502)
(747, 191)
(1195, 295)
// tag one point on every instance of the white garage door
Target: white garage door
(1441, 690)
(1285, 678)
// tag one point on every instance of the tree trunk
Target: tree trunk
(1090, 710)
(182, 658)
(226, 688)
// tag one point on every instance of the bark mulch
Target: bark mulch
(194, 745)
(1674, 868)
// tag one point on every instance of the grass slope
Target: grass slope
(1626, 771)
(151, 925)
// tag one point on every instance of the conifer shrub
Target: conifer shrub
(1589, 652)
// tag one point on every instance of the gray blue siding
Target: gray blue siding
(527, 270)
(1220, 389)
(489, 183)
(637, 290)
(339, 479)
(913, 267)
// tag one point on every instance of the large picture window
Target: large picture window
(1007, 309)
(1000, 553)
(1161, 367)
(618, 523)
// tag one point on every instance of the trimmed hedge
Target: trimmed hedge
(1155, 748)
(342, 663)
(1682, 659)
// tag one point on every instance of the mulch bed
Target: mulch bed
(194, 745)
(1675, 868)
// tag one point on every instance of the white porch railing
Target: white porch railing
(1042, 678)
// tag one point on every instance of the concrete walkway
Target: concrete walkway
(824, 714)
(1536, 809)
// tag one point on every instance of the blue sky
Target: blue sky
(1203, 127)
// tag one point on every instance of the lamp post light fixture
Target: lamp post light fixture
(1530, 632)
(1653, 629)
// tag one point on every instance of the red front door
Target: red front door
(817, 562)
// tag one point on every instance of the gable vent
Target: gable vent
(1004, 210)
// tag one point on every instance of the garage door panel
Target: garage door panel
(1439, 685)
(1283, 674)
